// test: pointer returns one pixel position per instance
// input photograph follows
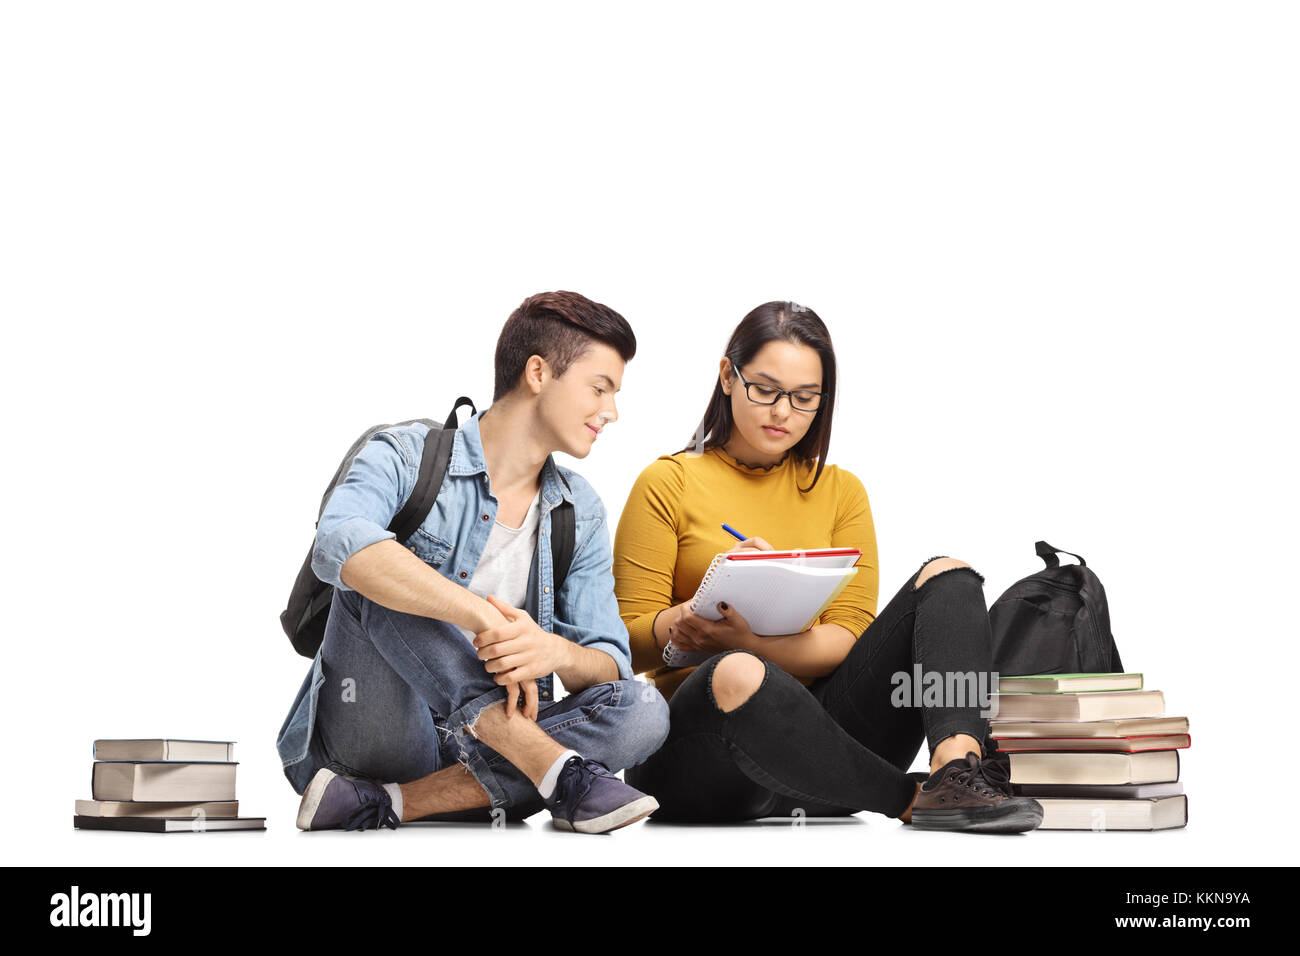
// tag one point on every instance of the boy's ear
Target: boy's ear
(537, 372)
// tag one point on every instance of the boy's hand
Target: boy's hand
(492, 618)
(519, 652)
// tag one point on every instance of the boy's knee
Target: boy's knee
(651, 718)
(736, 678)
(637, 725)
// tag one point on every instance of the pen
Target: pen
(732, 531)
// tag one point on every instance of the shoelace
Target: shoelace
(988, 771)
(580, 777)
(374, 811)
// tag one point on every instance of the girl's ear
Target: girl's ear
(724, 375)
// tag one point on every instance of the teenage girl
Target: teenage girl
(802, 723)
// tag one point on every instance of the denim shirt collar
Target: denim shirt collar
(467, 459)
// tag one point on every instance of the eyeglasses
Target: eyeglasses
(760, 394)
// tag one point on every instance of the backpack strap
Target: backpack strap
(433, 468)
(1048, 554)
(562, 534)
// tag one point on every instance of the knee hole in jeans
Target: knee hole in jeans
(942, 565)
(735, 678)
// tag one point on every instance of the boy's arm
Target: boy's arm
(586, 666)
(354, 550)
(390, 575)
(586, 615)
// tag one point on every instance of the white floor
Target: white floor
(1215, 835)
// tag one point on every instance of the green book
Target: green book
(1068, 683)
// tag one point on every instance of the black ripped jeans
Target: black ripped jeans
(842, 744)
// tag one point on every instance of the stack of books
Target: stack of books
(163, 786)
(1096, 750)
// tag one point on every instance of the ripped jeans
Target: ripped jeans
(844, 743)
(401, 693)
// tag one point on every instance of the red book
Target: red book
(787, 555)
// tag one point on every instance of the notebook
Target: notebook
(777, 592)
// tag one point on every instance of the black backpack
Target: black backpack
(1054, 622)
(305, 616)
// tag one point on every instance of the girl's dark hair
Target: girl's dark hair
(771, 321)
(560, 327)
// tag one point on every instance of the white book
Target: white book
(165, 748)
(130, 808)
(1163, 813)
(1153, 766)
(776, 592)
(162, 781)
(1080, 708)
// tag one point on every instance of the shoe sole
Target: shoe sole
(312, 797)
(628, 813)
(1012, 816)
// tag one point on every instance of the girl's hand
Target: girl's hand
(694, 633)
(751, 544)
(682, 638)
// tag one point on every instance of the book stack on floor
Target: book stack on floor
(1096, 750)
(163, 786)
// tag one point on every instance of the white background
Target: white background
(1055, 245)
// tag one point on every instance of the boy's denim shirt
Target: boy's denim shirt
(451, 540)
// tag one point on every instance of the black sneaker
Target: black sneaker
(974, 795)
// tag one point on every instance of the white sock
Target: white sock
(547, 786)
(395, 792)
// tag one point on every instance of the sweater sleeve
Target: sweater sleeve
(645, 555)
(855, 608)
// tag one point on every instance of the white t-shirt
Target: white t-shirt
(503, 569)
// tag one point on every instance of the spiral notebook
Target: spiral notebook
(777, 592)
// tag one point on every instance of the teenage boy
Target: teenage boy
(432, 690)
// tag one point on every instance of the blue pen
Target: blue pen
(732, 531)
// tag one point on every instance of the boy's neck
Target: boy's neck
(513, 455)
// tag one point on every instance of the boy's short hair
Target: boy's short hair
(560, 327)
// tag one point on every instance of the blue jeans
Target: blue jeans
(402, 691)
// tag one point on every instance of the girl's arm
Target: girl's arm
(645, 554)
(812, 653)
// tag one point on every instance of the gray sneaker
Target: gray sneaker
(590, 799)
(335, 802)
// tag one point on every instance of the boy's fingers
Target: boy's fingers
(508, 612)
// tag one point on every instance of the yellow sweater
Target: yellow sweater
(671, 528)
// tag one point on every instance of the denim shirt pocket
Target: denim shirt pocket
(294, 740)
(429, 548)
